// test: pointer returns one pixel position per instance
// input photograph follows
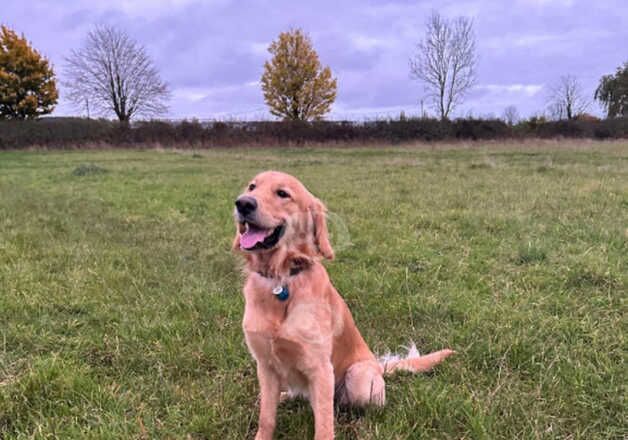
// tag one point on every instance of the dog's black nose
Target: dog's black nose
(246, 205)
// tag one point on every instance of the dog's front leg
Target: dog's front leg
(321, 390)
(269, 399)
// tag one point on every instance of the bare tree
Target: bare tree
(445, 61)
(511, 115)
(555, 111)
(566, 99)
(113, 73)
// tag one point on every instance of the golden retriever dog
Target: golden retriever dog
(296, 325)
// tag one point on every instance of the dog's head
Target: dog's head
(276, 212)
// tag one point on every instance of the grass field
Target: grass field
(120, 301)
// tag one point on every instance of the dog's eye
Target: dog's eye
(281, 193)
(251, 187)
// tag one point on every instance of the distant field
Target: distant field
(120, 301)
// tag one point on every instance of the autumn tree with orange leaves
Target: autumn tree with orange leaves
(27, 82)
(295, 84)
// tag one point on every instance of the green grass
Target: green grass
(120, 301)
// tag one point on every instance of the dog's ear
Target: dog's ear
(321, 234)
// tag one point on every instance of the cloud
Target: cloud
(146, 8)
(526, 89)
(368, 43)
(191, 93)
(212, 52)
(545, 41)
(545, 3)
(260, 49)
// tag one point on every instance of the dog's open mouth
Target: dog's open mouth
(255, 237)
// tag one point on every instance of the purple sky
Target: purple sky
(211, 52)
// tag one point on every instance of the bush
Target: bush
(481, 129)
(54, 132)
(80, 133)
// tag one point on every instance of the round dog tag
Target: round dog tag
(281, 292)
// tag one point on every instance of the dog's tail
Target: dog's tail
(413, 361)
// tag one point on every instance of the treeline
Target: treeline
(97, 133)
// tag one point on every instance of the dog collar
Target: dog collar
(281, 292)
(293, 271)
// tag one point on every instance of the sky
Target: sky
(211, 52)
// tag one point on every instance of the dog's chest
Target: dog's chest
(268, 343)
(281, 334)
(264, 315)
(263, 321)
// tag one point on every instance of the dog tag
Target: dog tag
(281, 292)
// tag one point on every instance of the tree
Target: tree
(446, 62)
(612, 92)
(113, 73)
(556, 111)
(27, 82)
(511, 115)
(295, 84)
(566, 99)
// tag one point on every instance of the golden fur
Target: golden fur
(308, 344)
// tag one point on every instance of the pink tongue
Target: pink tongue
(252, 236)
